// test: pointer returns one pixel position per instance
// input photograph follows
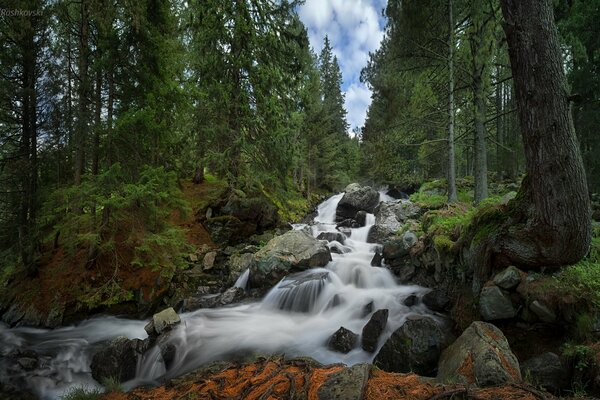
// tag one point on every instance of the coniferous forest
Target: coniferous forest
(187, 209)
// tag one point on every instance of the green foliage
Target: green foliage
(82, 393)
(105, 209)
(112, 385)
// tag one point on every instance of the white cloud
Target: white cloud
(354, 28)
(358, 99)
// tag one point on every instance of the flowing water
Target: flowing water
(296, 317)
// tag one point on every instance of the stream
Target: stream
(296, 317)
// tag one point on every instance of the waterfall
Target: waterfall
(296, 317)
(242, 281)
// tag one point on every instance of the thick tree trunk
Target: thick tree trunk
(452, 197)
(549, 222)
(481, 184)
(97, 123)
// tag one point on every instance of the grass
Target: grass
(82, 393)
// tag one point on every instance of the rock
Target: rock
(399, 193)
(547, 371)
(355, 199)
(338, 248)
(238, 263)
(346, 384)
(162, 321)
(32, 317)
(436, 300)
(291, 252)
(227, 229)
(508, 279)
(332, 237)
(405, 272)
(480, 356)
(55, 316)
(411, 300)
(373, 329)
(495, 304)
(508, 197)
(118, 360)
(342, 340)
(209, 260)
(415, 346)
(389, 218)
(361, 218)
(14, 314)
(367, 309)
(27, 363)
(257, 211)
(230, 296)
(192, 257)
(399, 247)
(376, 260)
(542, 311)
(347, 223)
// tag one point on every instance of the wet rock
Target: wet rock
(547, 371)
(367, 309)
(237, 264)
(27, 363)
(495, 304)
(373, 329)
(342, 341)
(355, 199)
(347, 223)
(291, 252)
(332, 237)
(376, 260)
(405, 272)
(415, 346)
(361, 218)
(411, 301)
(162, 322)
(436, 300)
(346, 384)
(542, 311)
(230, 296)
(508, 279)
(480, 356)
(389, 218)
(32, 317)
(227, 229)
(338, 248)
(117, 360)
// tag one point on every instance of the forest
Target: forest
(187, 212)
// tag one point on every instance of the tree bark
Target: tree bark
(549, 223)
(82, 117)
(452, 197)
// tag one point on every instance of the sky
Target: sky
(355, 28)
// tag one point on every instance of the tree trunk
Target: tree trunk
(452, 197)
(480, 151)
(549, 222)
(97, 123)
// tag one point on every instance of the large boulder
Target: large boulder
(547, 371)
(237, 264)
(495, 304)
(389, 218)
(508, 279)
(230, 296)
(118, 360)
(346, 384)
(343, 340)
(355, 199)
(332, 237)
(373, 329)
(415, 346)
(291, 252)
(480, 356)
(227, 229)
(398, 247)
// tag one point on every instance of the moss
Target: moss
(443, 243)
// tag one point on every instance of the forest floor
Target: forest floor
(66, 281)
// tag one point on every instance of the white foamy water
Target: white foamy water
(296, 317)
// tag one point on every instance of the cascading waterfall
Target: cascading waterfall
(296, 317)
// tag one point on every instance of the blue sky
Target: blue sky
(355, 28)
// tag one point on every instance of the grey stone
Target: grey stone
(411, 300)
(547, 371)
(357, 198)
(162, 321)
(376, 260)
(480, 356)
(118, 360)
(332, 236)
(293, 251)
(415, 346)
(389, 218)
(436, 300)
(373, 329)
(361, 218)
(495, 304)
(508, 279)
(343, 340)
(346, 384)
(542, 311)
(238, 263)
(209, 260)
